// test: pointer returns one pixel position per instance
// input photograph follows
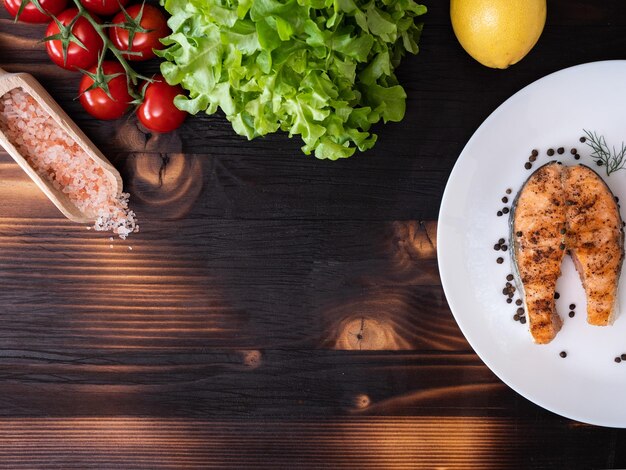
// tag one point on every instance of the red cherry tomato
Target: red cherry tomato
(96, 102)
(157, 112)
(31, 14)
(104, 7)
(77, 57)
(153, 20)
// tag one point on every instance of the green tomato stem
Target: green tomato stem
(132, 77)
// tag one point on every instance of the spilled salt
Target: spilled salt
(55, 156)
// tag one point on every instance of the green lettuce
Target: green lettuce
(322, 69)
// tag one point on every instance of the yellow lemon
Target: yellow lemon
(498, 33)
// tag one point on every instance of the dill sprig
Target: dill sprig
(611, 159)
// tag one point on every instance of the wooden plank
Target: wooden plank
(241, 284)
(390, 443)
(215, 384)
(177, 186)
(208, 187)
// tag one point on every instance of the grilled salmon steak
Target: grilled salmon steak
(563, 210)
(538, 226)
(595, 239)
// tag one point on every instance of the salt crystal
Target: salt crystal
(55, 156)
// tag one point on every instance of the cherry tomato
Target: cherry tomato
(96, 102)
(104, 7)
(157, 112)
(77, 57)
(31, 14)
(153, 20)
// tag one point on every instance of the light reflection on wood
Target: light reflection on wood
(382, 317)
(419, 398)
(392, 320)
(92, 295)
(252, 358)
(389, 443)
(19, 195)
(415, 239)
(165, 184)
(368, 333)
(362, 401)
(18, 41)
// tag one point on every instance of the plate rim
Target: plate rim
(447, 279)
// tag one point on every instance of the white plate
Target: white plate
(552, 112)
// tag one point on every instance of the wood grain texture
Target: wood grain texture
(275, 311)
(220, 384)
(245, 285)
(389, 443)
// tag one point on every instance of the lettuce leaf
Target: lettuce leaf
(320, 69)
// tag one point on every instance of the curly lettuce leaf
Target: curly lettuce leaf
(320, 69)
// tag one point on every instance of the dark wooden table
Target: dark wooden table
(275, 311)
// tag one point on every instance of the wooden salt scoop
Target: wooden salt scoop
(10, 81)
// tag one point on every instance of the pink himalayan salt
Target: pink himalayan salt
(55, 156)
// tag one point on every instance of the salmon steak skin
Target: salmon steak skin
(566, 210)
